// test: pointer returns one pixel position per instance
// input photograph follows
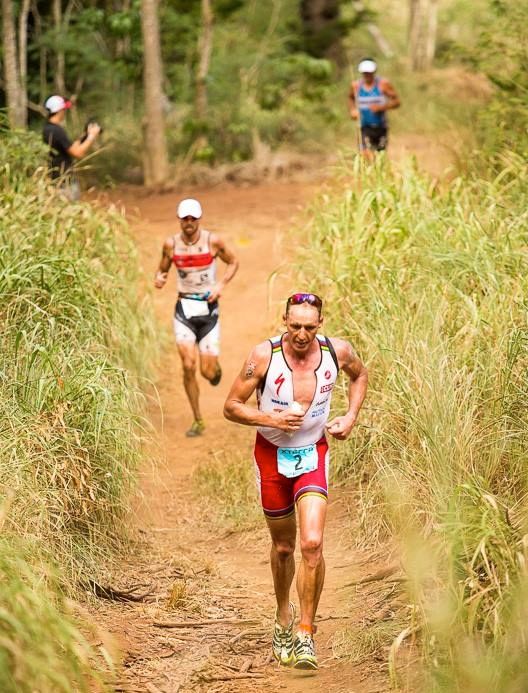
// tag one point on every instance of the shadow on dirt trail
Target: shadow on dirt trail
(196, 573)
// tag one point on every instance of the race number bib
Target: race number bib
(193, 309)
(292, 462)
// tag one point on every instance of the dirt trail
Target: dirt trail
(183, 557)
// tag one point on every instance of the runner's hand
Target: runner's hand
(377, 108)
(354, 113)
(160, 279)
(215, 293)
(289, 420)
(340, 427)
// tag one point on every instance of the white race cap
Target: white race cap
(189, 208)
(367, 66)
(57, 103)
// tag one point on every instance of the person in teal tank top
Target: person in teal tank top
(369, 100)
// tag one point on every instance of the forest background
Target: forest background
(226, 80)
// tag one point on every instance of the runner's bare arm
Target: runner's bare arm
(341, 426)
(393, 100)
(222, 251)
(236, 408)
(165, 264)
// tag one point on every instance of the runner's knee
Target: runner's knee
(189, 367)
(312, 548)
(284, 548)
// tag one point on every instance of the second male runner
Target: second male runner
(193, 251)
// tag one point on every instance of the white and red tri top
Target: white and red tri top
(276, 394)
(196, 264)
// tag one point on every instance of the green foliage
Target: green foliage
(20, 153)
(40, 647)
(430, 284)
(502, 54)
(73, 339)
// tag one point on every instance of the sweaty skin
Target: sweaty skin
(302, 354)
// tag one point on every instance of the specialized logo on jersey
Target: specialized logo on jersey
(279, 382)
(326, 388)
(328, 375)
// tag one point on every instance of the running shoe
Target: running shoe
(196, 429)
(304, 651)
(217, 377)
(282, 644)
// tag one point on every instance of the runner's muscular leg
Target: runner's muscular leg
(310, 577)
(282, 533)
(208, 365)
(187, 352)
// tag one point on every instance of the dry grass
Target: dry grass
(73, 342)
(228, 486)
(430, 284)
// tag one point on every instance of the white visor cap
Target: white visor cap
(367, 66)
(189, 208)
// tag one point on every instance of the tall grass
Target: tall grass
(229, 487)
(430, 283)
(41, 648)
(76, 342)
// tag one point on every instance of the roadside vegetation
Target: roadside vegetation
(229, 486)
(74, 348)
(430, 283)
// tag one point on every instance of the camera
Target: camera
(90, 121)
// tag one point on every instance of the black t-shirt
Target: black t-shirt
(58, 141)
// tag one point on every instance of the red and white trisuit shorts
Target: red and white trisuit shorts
(278, 493)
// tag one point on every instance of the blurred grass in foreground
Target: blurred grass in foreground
(76, 342)
(430, 284)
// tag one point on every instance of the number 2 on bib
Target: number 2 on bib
(292, 462)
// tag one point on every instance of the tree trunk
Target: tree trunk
(43, 52)
(422, 33)
(321, 28)
(60, 84)
(155, 146)
(22, 56)
(17, 117)
(204, 49)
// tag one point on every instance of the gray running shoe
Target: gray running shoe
(196, 429)
(282, 644)
(304, 651)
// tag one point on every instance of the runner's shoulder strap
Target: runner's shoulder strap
(326, 345)
(275, 348)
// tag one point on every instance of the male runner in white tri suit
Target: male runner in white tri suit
(194, 252)
(294, 375)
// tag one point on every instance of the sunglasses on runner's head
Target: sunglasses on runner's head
(311, 299)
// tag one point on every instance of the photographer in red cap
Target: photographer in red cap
(62, 150)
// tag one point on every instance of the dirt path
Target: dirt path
(194, 570)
